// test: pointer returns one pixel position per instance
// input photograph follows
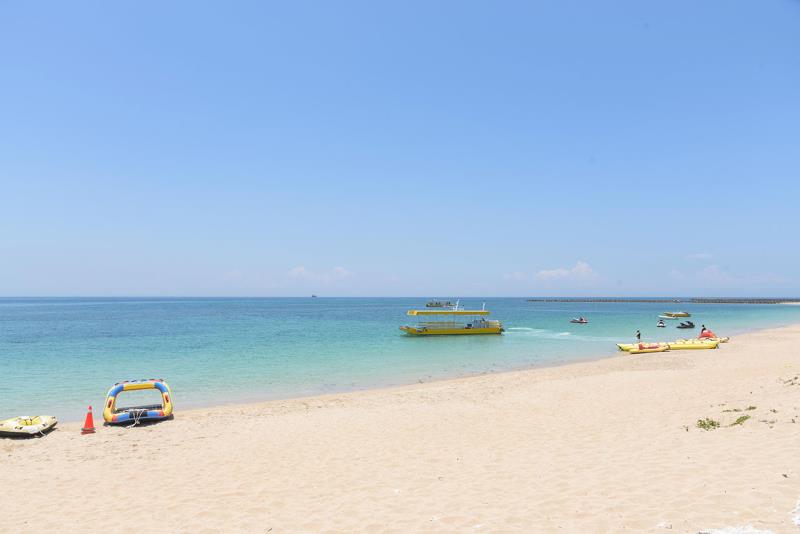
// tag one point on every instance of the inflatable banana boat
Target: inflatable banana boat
(641, 348)
(27, 426)
(708, 335)
(627, 347)
(692, 344)
(135, 414)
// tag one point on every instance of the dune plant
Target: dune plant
(740, 420)
(707, 424)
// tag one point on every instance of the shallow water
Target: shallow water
(59, 355)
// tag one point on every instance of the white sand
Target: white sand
(603, 446)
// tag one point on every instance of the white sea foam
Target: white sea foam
(796, 514)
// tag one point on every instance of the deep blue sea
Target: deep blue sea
(59, 355)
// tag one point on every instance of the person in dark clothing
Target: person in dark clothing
(638, 336)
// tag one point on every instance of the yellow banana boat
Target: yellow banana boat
(27, 426)
(692, 344)
(644, 349)
(627, 347)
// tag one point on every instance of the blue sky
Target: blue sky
(407, 148)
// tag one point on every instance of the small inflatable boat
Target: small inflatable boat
(692, 344)
(26, 426)
(707, 334)
(135, 414)
(641, 348)
(628, 347)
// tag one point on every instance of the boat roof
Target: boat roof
(448, 312)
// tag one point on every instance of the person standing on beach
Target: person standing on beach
(638, 336)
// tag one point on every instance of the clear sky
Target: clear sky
(400, 148)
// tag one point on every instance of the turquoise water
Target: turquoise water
(59, 355)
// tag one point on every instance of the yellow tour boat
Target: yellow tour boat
(450, 322)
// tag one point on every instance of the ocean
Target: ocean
(58, 355)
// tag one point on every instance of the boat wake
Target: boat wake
(537, 332)
(543, 333)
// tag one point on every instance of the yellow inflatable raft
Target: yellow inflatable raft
(692, 344)
(27, 426)
(627, 347)
(653, 347)
(135, 414)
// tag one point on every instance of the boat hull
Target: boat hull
(419, 331)
(693, 345)
(628, 347)
(648, 350)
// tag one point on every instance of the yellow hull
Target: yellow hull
(645, 351)
(628, 347)
(421, 331)
(680, 344)
(689, 345)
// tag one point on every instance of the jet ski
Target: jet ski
(579, 320)
(661, 324)
(687, 324)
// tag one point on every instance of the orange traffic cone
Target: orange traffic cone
(88, 425)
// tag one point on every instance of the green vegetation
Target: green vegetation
(707, 424)
(748, 409)
(740, 420)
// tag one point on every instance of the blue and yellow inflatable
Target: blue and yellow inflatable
(134, 414)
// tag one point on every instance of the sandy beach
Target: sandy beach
(603, 446)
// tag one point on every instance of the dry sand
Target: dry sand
(603, 446)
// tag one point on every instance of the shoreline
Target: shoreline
(456, 381)
(603, 445)
(247, 399)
